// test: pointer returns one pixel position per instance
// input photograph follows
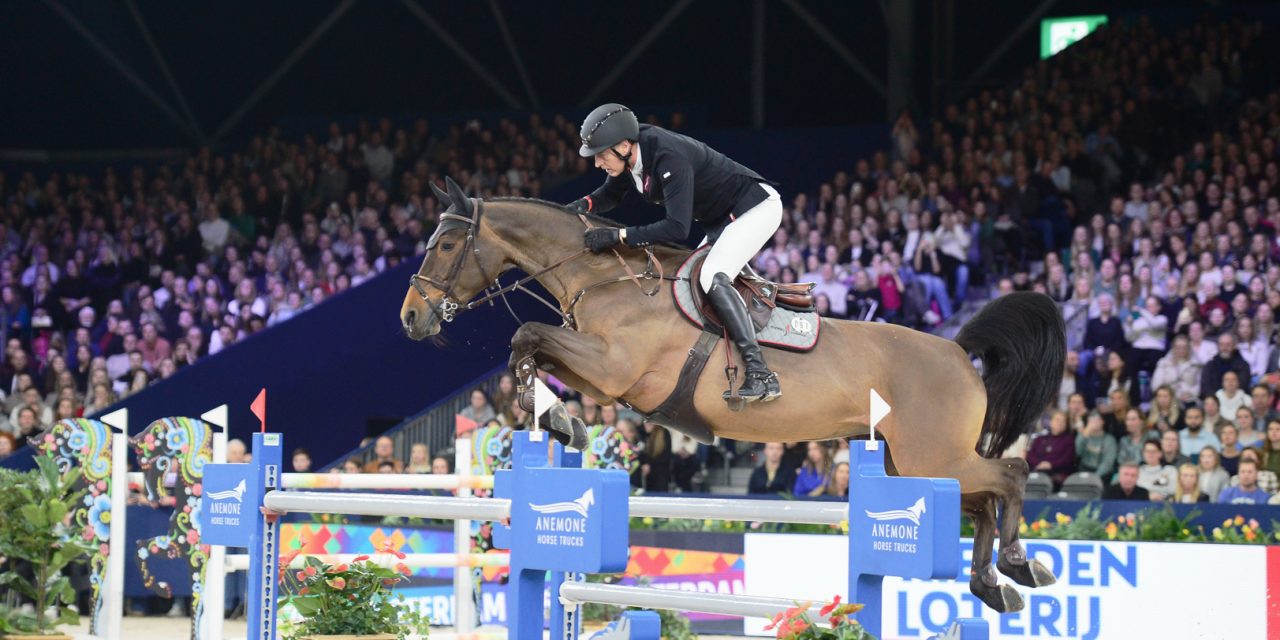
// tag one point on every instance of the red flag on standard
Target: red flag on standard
(259, 408)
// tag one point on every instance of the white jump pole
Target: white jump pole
(378, 481)
(240, 561)
(113, 601)
(464, 610)
(215, 579)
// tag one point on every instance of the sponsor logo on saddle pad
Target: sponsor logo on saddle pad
(800, 325)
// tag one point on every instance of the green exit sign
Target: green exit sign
(1057, 34)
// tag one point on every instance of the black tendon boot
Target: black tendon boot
(759, 383)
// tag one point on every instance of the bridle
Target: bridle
(449, 308)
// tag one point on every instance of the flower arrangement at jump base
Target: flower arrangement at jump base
(1150, 525)
(348, 601)
(796, 623)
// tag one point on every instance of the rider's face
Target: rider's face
(610, 162)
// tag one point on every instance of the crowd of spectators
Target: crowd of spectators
(109, 283)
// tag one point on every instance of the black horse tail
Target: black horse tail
(1022, 342)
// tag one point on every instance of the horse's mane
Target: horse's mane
(595, 219)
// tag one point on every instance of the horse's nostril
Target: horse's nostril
(409, 317)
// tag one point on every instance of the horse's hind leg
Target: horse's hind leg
(984, 584)
(1013, 561)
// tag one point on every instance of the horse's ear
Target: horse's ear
(441, 196)
(460, 200)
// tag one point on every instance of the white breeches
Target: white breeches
(742, 239)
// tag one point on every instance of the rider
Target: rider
(737, 209)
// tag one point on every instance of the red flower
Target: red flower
(774, 623)
(829, 608)
(338, 583)
(311, 571)
(304, 591)
(387, 548)
(403, 568)
(301, 575)
(338, 569)
(360, 558)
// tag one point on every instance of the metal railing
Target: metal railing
(434, 426)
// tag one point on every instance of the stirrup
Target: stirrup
(768, 381)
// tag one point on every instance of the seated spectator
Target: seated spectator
(1213, 414)
(1078, 413)
(1103, 334)
(1129, 447)
(7, 444)
(1195, 437)
(419, 459)
(1262, 401)
(383, 451)
(31, 399)
(480, 411)
(655, 458)
(1126, 486)
(301, 460)
(1230, 450)
(1145, 328)
(237, 452)
(1054, 453)
(1171, 450)
(1115, 408)
(1271, 449)
(794, 453)
(1156, 477)
(773, 475)
(1247, 490)
(839, 485)
(1213, 377)
(1096, 449)
(1230, 397)
(441, 465)
(387, 466)
(811, 479)
(1112, 376)
(351, 465)
(1213, 478)
(1180, 371)
(1188, 490)
(1246, 434)
(684, 463)
(1166, 413)
(1267, 479)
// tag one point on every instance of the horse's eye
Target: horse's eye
(447, 246)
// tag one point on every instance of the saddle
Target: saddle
(761, 296)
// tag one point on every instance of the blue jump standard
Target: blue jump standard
(569, 520)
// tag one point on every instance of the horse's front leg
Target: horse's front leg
(577, 359)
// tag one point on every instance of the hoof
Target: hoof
(566, 429)
(1001, 598)
(1032, 573)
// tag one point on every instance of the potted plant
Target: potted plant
(38, 531)
(796, 624)
(349, 601)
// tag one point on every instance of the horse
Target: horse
(176, 450)
(620, 344)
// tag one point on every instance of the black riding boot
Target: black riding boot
(759, 383)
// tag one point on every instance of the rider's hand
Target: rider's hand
(581, 205)
(600, 239)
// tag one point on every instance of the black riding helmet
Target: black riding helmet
(606, 126)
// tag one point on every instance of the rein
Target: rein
(448, 309)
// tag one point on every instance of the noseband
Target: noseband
(449, 308)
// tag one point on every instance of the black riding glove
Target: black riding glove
(598, 240)
(581, 205)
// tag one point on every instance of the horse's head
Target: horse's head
(454, 269)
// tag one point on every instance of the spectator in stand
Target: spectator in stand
(1195, 437)
(1129, 447)
(1126, 485)
(1096, 449)
(384, 451)
(419, 459)
(1146, 328)
(684, 463)
(1157, 478)
(1179, 370)
(1271, 449)
(479, 411)
(773, 475)
(1213, 414)
(1165, 413)
(1188, 490)
(301, 460)
(1262, 401)
(352, 466)
(1267, 480)
(839, 485)
(7, 445)
(1115, 411)
(812, 478)
(1102, 334)
(1171, 450)
(1231, 398)
(656, 458)
(1247, 490)
(237, 452)
(1054, 453)
(1230, 450)
(1213, 378)
(1213, 478)
(1246, 434)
